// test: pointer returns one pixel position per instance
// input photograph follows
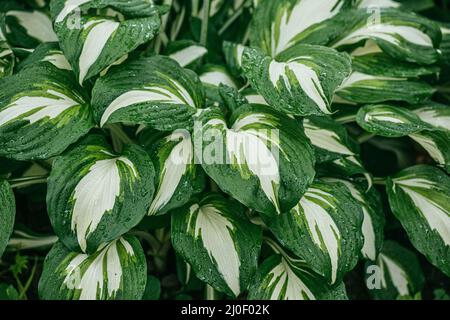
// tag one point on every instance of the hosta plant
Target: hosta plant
(210, 149)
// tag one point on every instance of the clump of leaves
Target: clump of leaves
(178, 149)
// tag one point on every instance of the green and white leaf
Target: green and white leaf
(330, 139)
(389, 121)
(215, 238)
(279, 279)
(178, 177)
(48, 52)
(215, 75)
(324, 229)
(97, 42)
(419, 199)
(374, 220)
(345, 167)
(154, 91)
(95, 195)
(233, 56)
(413, 5)
(400, 34)
(117, 271)
(279, 25)
(27, 29)
(437, 144)
(23, 240)
(435, 114)
(300, 81)
(42, 112)
(7, 214)
(262, 158)
(396, 273)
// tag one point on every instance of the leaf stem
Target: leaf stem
(379, 181)
(25, 288)
(365, 137)
(205, 22)
(27, 181)
(210, 293)
(233, 18)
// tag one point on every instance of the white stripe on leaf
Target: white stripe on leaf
(437, 217)
(434, 117)
(96, 194)
(216, 232)
(100, 30)
(358, 78)
(58, 60)
(325, 139)
(35, 108)
(175, 166)
(36, 24)
(398, 276)
(307, 78)
(152, 94)
(430, 146)
(69, 7)
(284, 278)
(321, 226)
(304, 14)
(103, 275)
(217, 77)
(188, 55)
(389, 33)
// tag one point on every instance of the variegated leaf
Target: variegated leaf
(324, 229)
(279, 25)
(93, 43)
(178, 177)
(7, 214)
(233, 55)
(396, 273)
(329, 138)
(345, 167)
(374, 220)
(419, 199)
(437, 144)
(389, 121)
(262, 158)
(117, 271)
(48, 52)
(42, 112)
(214, 75)
(279, 279)
(95, 195)
(27, 29)
(215, 238)
(300, 81)
(435, 114)
(400, 34)
(155, 91)
(25, 240)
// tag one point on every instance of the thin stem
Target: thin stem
(27, 181)
(210, 293)
(205, 22)
(118, 132)
(346, 119)
(365, 137)
(379, 181)
(233, 18)
(148, 237)
(30, 279)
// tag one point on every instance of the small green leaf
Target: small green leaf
(389, 121)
